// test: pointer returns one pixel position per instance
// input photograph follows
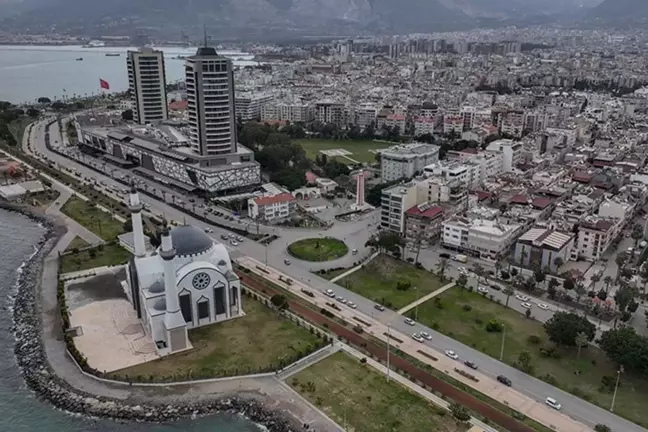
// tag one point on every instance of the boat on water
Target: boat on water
(113, 54)
(180, 57)
(79, 59)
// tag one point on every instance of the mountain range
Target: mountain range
(303, 17)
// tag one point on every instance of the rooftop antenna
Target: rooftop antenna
(205, 34)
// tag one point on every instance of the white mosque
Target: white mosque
(187, 282)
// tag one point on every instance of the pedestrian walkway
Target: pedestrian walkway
(410, 385)
(73, 226)
(487, 385)
(309, 361)
(354, 269)
(426, 298)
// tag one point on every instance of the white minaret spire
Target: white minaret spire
(136, 218)
(173, 318)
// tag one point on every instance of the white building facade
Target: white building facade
(403, 161)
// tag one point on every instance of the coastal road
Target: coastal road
(355, 233)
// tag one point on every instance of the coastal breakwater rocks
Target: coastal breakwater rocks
(39, 376)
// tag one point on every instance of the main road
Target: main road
(356, 233)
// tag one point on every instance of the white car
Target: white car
(330, 293)
(426, 335)
(234, 243)
(341, 300)
(352, 305)
(543, 306)
(453, 355)
(521, 297)
(483, 289)
(417, 338)
(463, 270)
(526, 305)
(409, 321)
(209, 230)
(553, 403)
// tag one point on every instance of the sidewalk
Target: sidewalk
(425, 298)
(354, 269)
(486, 385)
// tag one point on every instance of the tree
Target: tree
(32, 112)
(403, 285)
(279, 301)
(388, 240)
(478, 269)
(44, 100)
(621, 260)
(643, 273)
(127, 115)
(508, 292)
(624, 297)
(637, 235)
(602, 428)
(581, 341)
(563, 327)
(462, 281)
(442, 265)
(552, 288)
(514, 272)
(625, 347)
(524, 362)
(539, 276)
(596, 277)
(568, 284)
(558, 262)
(459, 412)
(607, 280)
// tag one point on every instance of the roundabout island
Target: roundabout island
(318, 249)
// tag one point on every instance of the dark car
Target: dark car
(379, 307)
(470, 364)
(444, 255)
(495, 287)
(504, 380)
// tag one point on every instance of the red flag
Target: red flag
(104, 84)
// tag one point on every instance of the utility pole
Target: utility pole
(503, 337)
(418, 297)
(388, 348)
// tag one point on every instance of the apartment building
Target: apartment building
(511, 151)
(365, 115)
(395, 201)
(453, 122)
(486, 239)
(292, 112)
(404, 160)
(332, 112)
(249, 105)
(423, 224)
(539, 248)
(595, 235)
(424, 125)
(272, 208)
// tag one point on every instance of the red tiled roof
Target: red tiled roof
(520, 199)
(481, 196)
(178, 105)
(429, 213)
(284, 197)
(470, 150)
(311, 177)
(582, 177)
(541, 203)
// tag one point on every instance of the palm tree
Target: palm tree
(558, 262)
(607, 280)
(621, 260)
(523, 256)
(498, 267)
(553, 285)
(637, 234)
(479, 271)
(581, 341)
(462, 281)
(442, 265)
(508, 292)
(596, 277)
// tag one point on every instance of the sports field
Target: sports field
(355, 151)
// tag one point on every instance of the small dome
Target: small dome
(160, 305)
(189, 240)
(157, 287)
(222, 263)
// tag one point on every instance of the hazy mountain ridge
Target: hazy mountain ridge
(621, 11)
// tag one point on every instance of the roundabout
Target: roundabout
(318, 249)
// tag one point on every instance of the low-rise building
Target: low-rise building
(423, 224)
(540, 247)
(274, 208)
(486, 239)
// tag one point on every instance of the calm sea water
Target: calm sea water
(29, 72)
(20, 411)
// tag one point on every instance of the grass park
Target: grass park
(94, 219)
(77, 243)
(379, 281)
(361, 150)
(360, 399)
(463, 315)
(260, 341)
(318, 249)
(104, 255)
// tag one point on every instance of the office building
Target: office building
(210, 96)
(147, 85)
(404, 160)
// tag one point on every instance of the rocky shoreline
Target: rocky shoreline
(40, 377)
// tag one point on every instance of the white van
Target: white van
(553, 403)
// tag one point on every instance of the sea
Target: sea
(20, 410)
(57, 72)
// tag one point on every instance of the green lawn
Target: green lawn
(106, 255)
(17, 127)
(360, 399)
(77, 243)
(318, 249)
(378, 280)
(96, 220)
(258, 341)
(449, 317)
(360, 149)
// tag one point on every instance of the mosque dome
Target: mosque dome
(157, 287)
(189, 240)
(160, 305)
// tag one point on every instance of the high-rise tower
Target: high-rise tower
(147, 84)
(210, 96)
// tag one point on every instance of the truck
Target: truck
(460, 258)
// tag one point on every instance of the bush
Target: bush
(363, 360)
(459, 412)
(467, 308)
(549, 379)
(534, 340)
(602, 428)
(494, 327)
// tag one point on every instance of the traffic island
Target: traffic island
(318, 249)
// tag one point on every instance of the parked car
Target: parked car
(417, 338)
(330, 293)
(224, 236)
(341, 299)
(239, 238)
(209, 230)
(444, 255)
(526, 305)
(352, 305)
(409, 321)
(495, 287)
(453, 355)
(287, 261)
(381, 308)
(504, 380)
(522, 298)
(543, 306)
(483, 289)
(553, 403)
(234, 243)
(470, 364)
(426, 335)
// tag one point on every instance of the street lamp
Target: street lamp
(418, 297)
(503, 338)
(616, 387)
(388, 348)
